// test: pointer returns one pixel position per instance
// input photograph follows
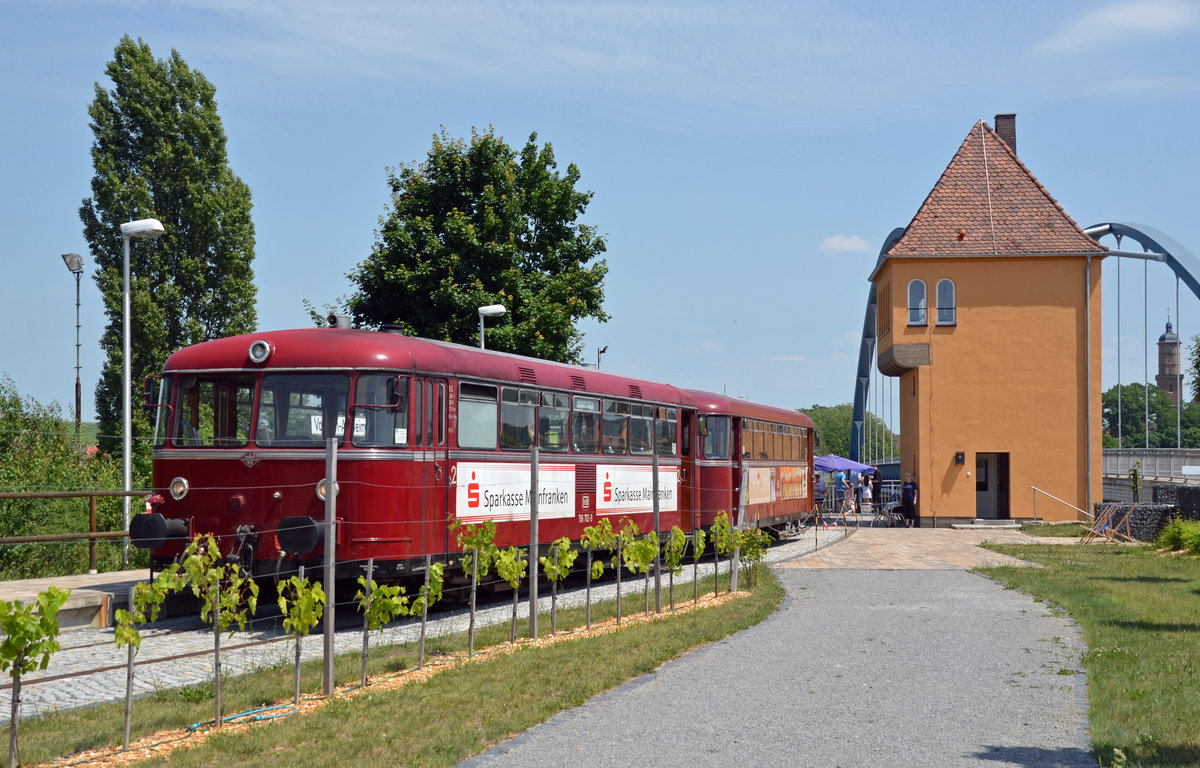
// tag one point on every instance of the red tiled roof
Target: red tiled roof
(984, 209)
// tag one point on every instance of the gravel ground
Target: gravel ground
(89, 649)
(858, 668)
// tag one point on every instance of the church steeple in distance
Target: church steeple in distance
(1169, 379)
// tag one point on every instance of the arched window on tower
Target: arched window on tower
(945, 302)
(916, 302)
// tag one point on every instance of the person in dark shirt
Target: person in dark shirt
(908, 501)
(877, 486)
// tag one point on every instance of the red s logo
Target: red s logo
(473, 493)
(607, 489)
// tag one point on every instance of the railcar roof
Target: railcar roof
(710, 402)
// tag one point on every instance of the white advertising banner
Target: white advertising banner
(625, 488)
(761, 488)
(495, 491)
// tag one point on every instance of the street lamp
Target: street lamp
(491, 310)
(142, 228)
(74, 263)
(600, 351)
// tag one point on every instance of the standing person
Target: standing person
(865, 481)
(876, 485)
(818, 490)
(908, 500)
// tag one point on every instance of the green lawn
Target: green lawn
(1139, 611)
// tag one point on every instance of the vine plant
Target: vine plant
(30, 638)
(641, 553)
(380, 604)
(673, 551)
(625, 539)
(302, 604)
(598, 536)
(753, 544)
(479, 544)
(511, 564)
(699, 541)
(723, 543)
(556, 564)
(148, 598)
(226, 597)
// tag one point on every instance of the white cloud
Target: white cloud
(787, 358)
(1124, 21)
(1156, 86)
(844, 244)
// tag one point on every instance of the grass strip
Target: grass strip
(440, 721)
(1139, 611)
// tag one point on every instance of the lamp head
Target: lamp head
(492, 310)
(142, 228)
(73, 261)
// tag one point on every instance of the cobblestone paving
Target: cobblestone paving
(92, 649)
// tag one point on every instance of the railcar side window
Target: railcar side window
(385, 423)
(585, 425)
(517, 408)
(666, 431)
(213, 411)
(162, 414)
(552, 422)
(476, 416)
(717, 433)
(302, 409)
(615, 427)
(641, 428)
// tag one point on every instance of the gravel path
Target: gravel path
(858, 668)
(90, 649)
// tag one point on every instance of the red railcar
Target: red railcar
(428, 432)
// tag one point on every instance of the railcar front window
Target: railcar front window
(163, 414)
(381, 420)
(213, 411)
(301, 410)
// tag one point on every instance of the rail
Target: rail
(91, 536)
(1037, 490)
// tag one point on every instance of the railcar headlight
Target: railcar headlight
(179, 488)
(322, 486)
(259, 351)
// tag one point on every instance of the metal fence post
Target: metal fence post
(330, 545)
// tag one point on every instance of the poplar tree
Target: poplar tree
(158, 151)
(477, 223)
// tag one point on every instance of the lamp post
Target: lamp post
(600, 351)
(74, 263)
(491, 310)
(142, 228)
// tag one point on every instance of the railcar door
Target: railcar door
(689, 514)
(429, 403)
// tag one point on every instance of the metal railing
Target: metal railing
(1037, 490)
(1159, 463)
(91, 536)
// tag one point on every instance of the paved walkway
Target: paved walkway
(887, 652)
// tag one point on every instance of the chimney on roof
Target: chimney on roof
(1006, 129)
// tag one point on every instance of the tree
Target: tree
(832, 423)
(478, 224)
(1132, 409)
(158, 151)
(39, 452)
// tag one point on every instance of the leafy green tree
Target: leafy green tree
(475, 224)
(38, 452)
(1133, 424)
(158, 151)
(832, 423)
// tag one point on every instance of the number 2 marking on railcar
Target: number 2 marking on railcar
(454, 475)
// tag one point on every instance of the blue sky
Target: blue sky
(747, 158)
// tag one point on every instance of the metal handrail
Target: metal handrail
(1037, 490)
